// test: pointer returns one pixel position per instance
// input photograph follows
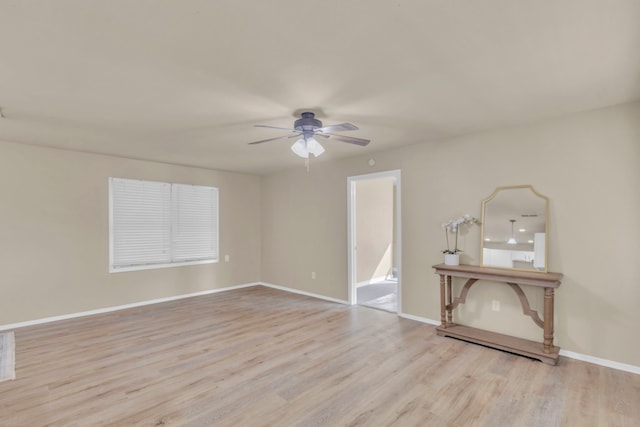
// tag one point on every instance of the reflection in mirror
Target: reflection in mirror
(514, 229)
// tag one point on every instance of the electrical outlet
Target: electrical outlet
(313, 275)
(495, 305)
(226, 258)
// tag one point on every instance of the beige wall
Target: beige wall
(588, 164)
(54, 233)
(374, 228)
(278, 229)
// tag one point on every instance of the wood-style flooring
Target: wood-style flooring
(263, 357)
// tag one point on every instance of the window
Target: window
(158, 224)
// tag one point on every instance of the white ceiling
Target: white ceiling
(185, 81)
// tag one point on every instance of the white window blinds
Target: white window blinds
(195, 222)
(157, 224)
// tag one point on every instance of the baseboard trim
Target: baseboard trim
(602, 362)
(419, 319)
(309, 294)
(121, 307)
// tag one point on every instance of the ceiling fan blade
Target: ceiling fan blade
(338, 128)
(275, 127)
(270, 139)
(350, 139)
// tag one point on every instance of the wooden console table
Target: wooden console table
(545, 351)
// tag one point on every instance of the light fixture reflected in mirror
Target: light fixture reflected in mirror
(512, 240)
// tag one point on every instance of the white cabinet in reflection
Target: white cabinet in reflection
(508, 259)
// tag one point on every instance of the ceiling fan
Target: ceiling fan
(307, 128)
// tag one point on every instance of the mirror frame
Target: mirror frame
(546, 228)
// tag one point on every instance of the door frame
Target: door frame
(351, 229)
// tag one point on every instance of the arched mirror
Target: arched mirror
(515, 225)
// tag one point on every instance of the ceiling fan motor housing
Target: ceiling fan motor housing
(308, 122)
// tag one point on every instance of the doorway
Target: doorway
(374, 233)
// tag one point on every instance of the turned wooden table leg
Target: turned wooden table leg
(443, 313)
(449, 301)
(548, 320)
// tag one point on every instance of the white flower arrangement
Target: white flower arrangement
(452, 227)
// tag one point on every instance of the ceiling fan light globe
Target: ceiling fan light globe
(314, 147)
(300, 149)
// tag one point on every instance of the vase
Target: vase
(452, 259)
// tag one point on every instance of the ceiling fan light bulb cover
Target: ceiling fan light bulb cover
(314, 147)
(303, 148)
(300, 149)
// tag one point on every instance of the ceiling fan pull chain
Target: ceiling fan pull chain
(306, 163)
